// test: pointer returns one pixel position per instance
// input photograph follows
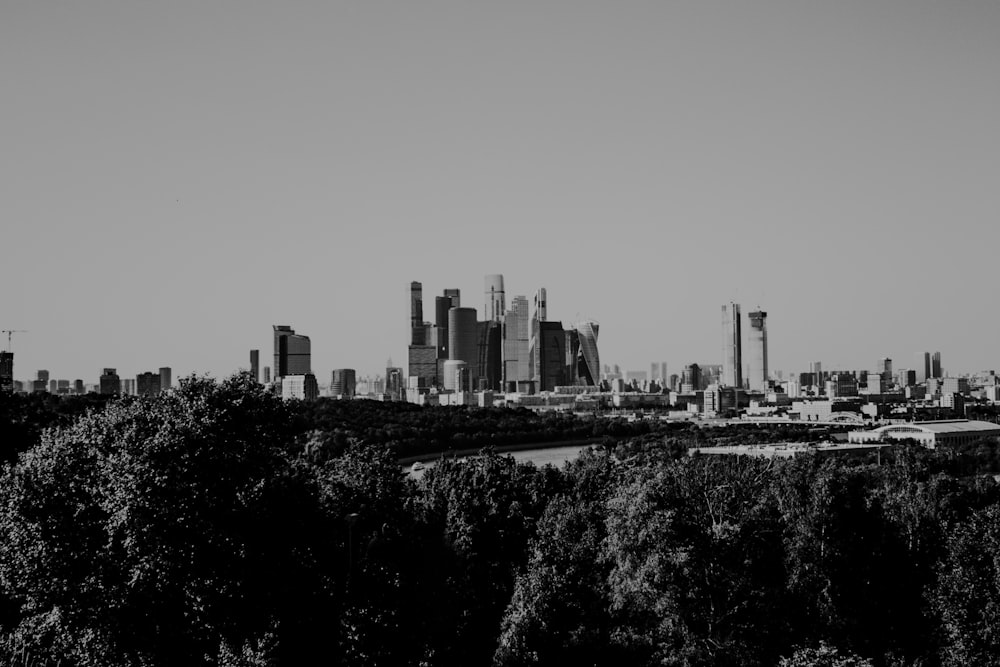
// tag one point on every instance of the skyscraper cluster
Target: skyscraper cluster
(507, 350)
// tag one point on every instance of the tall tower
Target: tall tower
(495, 304)
(732, 354)
(292, 352)
(541, 306)
(166, 378)
(417, 331)
(936, 365)
(757, 364)
(255, 365)
(589, 361)
(7, 371)
(463, 344)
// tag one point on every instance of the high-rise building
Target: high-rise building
(110, 382)
(936, 365)
(884, 368)
(78, 386)
(462, 341)
(516, 327)
(422, 363)
(53, 386)
(344, 383)
(442, 305)
(690, 379)
(455, 295)
(732, 355)
(267, 375)
(496, 305)
(302, 386)
(541, 306)
(549, 357)
(927, 366)
(417, 331)
(488, 371)
(395, 383)
(292, 352)
(588, 360)
(757, 364)
(147, 384)
(7, 371)
(255, 365)
(166, 380)
(42, 376)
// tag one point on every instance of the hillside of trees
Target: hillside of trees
(218, 525)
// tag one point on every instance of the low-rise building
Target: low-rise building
(930, 434)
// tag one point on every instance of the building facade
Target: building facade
(343, 383)
(757, 363)
(495, 304)
(732, 353)
(292, 352)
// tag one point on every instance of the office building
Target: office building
(7, 371)
(588, 360)
(516, 341)
(147, 384)
(42, 376)
(950, 385)
(302, 387)
(344, 383)
(417, 336)
(442, 305)
(732, 355)
(496, 305)
(690, 378)
(541, 306)
(907, 377)
(548, 355)
(166, 379)
(267, 375)
(53, 386)
(926, 366)
(488, 372)
(292, 352)
(395, 382)
(78, 387)
(456, 375)
(757, 363)
(936, 365)
(884, 368)
(62, 387)
(255, 365)
(462, 330)
(110, 382)
(455, 295)
(422, 363)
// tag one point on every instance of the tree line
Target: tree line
(209, 526)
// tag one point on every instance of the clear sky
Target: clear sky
(176, 177)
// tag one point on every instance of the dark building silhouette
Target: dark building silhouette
(255, 365)
(147, 384)
(489, 356)
(292, 352)
(110, 382)
(344, 383)
(936, 365)
(7, 371)
(548, 355)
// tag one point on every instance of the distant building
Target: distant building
(516, 342)
(732, 354)
(930, 434)
(292, 352)
(267, 375)
(78, 387)
(950, 385)
(936, 365)
(302, 387)
(417, 331)
(588, 361)
(166, 380)
(495, 304)
(884, 368)
(344, 383)
(548, 354)
(255, 365)
(110, 382)
(42, 376)
(422, 363)
(53, 386)
(489, 356)
(463, 344)
(395, 383)
(147, 384)
(7, 372)
(691, 379)
(757, 363)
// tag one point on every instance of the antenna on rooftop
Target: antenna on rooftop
(11, 332)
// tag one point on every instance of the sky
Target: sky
(177, 177)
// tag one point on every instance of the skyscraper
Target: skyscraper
(884, 368)
(495, 303)
(489, 356)
(516, 328)
(927, 366)
(462, 341)
(732, 355)
(166, 380)
(455, 295)
(936, 365)
(548, 355)
(7, 371)
(343, 383)
(757, 364)
(588, 361)
(418, 332)
(110, 382)
(147, 384)
(541, 306)
(292, 352)
(255, 365)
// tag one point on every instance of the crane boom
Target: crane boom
(11, 332)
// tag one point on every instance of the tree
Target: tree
(162, 531)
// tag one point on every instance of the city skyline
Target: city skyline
(693, 154)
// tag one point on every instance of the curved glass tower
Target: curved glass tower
(589, 362)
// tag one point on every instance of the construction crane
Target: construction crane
(11, 332)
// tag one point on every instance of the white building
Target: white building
(930, 433)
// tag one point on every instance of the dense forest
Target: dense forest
(217, 525)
